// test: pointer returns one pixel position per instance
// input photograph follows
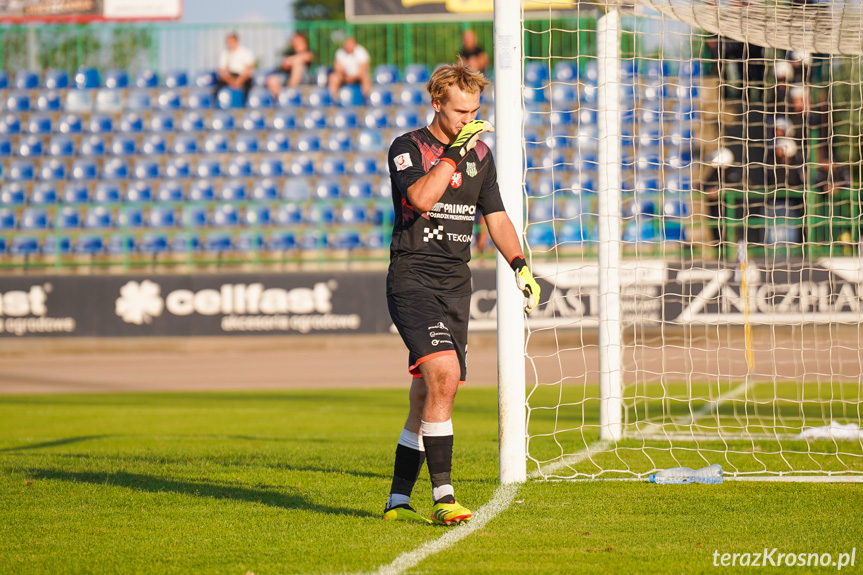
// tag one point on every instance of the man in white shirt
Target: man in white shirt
(236, 65)
(351, 66)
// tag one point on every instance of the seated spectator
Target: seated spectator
(351, 66)
(294, 69)
(236, 66)
(722, 174)
(472, 53)
(832, 176)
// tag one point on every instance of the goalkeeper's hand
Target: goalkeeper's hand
(466, 140)
(526, 283)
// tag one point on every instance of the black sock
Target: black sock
(439, 459)
(408, 464)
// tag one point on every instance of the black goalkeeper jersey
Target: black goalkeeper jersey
(430, 251)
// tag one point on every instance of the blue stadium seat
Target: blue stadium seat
(541, 210)
(297, 189)
(344, 119)
(79, 101)
(202, 191)
(153, 244)
(139, 192)
(18, 102)
(178, 168)
(315, 119)
(30, 146)
(675, 210)
(205, 79)
(184, 144)
(52, 171)
(265, 190)
(271, 168)
(412, 96)
(245, 144)
(257, 216)
(21, 171)
(120, 244)
(44, 193)
(384, 189)
(326, 189)
(24, 246)
(289, 214)
(169, 100)
(123, 145)
(364, 165)
(374, 240)
(54, 244)
(68, 124)
(215, 144)
(382, 214)
(147, 79)
(290, 98)
(100, 124)
(249, 241)
(162, 122)
(68, 218)
(200, 100)
(161, 217)
(565, 71)
(5, 147)
(131, 123)
(56, 79)
(138, 100)
(282, 241)
(381, 96)
(106, 192)
(376, 118)
(308, 141)
(333, 165)
(541, 236)
(359, 188)
(192, 122)
(563, 94)
(39, 124)
(26, 80)
(369, 141)
(321, 213)
(176, 79)
(260, 98)
(351, 95)
(194, 216)
(76, 193)
(228, 98)
(315, 240)
(386, 74)
(49, 101)
(406, 118)
(108, 101)
(34, 219)
(146, 168)
(347, 240)
(277, 142)
(677, 182)
(320, 76)
(232, 191)
(87, 78)
(4, 79)
(352, 215)
(254, 120)
(339, 141)
(7, 219)
(183, 243)
(117, 79)
(170, 191)
(89, 245)
(536, 74)
(319, 97)
(98, 218)
(416, 74)
(13, 194)
(222, 121)
(226, 216)
(10, 124)
(154, 145)
(285, 120)
(115, 168)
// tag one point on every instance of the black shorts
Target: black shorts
(431, 326)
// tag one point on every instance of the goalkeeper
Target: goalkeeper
(441, 176)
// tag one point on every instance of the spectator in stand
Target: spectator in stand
(351, 66)
(832, 176)
(236, 65)
(472, 53)
(723, 174)
(294, 69)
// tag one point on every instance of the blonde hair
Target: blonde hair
(459, 74)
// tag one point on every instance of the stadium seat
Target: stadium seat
(184, 243)
(563, 94)
(416, 74)
(176, 79)
(282, 241)
(277, 142)
(200, 100)
(76, 193)
(18, 102)
(7, 219)
(108, 101)
(184, 144)
(315, 119)
(364, 165)
(359, 189)
(308, 141)
(315, 240)
(285, 120)
(120, 244)
(26, 80)
(343, 119)
(153, 244)
(61, 146)
(10, 124)
(271, 168)
(326, 189)
(333, 165)
(53, 170)
(289, 214)
(192, 122)
(226, 215)
(565, 71)
(194, 216)
(5, 146)
(24, 246)
(123, 145)
(320, 76)
(249, 241)
(146, 168)
(222, 121)
(382, 214)
(131, 123)
(138, 100)
(260, 98)
(169, 100)
(339, 141)
(541, 236)
(39, 124)
(321, 214)
(154, 145)
(352, 215)
(100, 124)
(13, 194)
(89, 245)
(49, 101)
(97, 218)
(254, 120)
(178, 168)
(319, 97)
(351, 95)
(290, 98)
(215, 143)
(381, 96)
(411, 96)
(375, 118)
(232, 191)
(130, 217)
(30, 146)
(162, 122)
(21, 171)
(218, 242)
(4, 79)
(265, 190)
(406, 118)
(245, 144)
(297, 189)
(347, 240)
(147, 79)
(117, 79)
(205, 79)
(115, 168)
(228, 98)
(34, 219)
(87, 78)
(139, 192)
(541, 209)
(161, 217)
(202, 191)
(369, 141)
(386, 74)
(257, 216)
(79, 101)
(56, 79)
(55, 244)
(374, 240)
(68, 218)
(170, 191)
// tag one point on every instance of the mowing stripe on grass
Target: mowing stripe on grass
(499, 502)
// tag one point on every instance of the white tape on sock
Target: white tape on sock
(412, 440)
(437, 428)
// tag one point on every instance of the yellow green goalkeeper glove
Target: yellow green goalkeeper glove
(526, 283)
(466, 140)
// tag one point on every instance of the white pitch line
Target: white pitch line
(499, 502)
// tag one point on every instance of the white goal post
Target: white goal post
(700, 304)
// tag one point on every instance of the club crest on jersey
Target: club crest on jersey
(430, 234)
(470, 169)
(456, 180)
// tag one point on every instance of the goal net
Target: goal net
(691, 189)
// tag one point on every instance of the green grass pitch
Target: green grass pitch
(295, 482)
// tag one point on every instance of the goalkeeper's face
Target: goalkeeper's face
(458, 109)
